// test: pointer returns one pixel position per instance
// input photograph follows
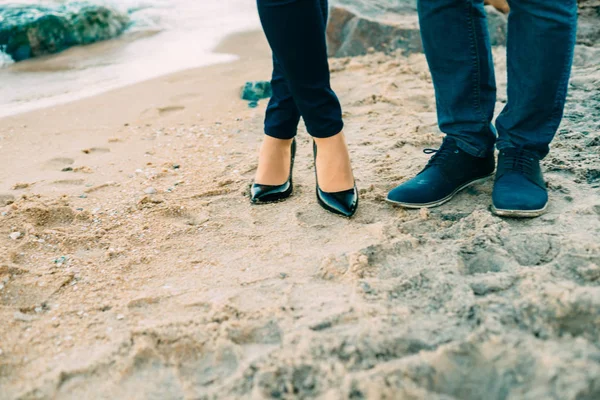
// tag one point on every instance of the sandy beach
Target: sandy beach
(132, 265)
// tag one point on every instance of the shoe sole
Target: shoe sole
(442, 201)
(519, 213)
(262, 202)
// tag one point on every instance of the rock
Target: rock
(33, 30)
(257, 90)
(354, 29)
(15, 235)
(356, 26)
(150, 190)
(497, 26)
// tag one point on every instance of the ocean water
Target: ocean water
(163, 36)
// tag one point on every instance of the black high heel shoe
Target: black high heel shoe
(342, 203)
(261, 194)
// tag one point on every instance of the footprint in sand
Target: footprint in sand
(95, 150)
(58, 163)
(6, 199)
(24, 290)
(162, 111)
(69, 182)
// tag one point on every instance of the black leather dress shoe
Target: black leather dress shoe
(519, 190)
(449, 171)
(262, 194)
(342, 203)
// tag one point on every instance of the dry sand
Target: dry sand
(111, 291)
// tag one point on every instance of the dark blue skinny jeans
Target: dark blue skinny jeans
(295, 30)
(541, 40)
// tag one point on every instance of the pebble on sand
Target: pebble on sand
(15, 235)
(150, 190)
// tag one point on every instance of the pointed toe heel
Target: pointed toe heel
(344, 203)
(263, 194)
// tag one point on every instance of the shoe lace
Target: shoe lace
(441, 155)
(520, 160)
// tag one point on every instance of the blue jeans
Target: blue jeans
(541, 40)
(295, 30)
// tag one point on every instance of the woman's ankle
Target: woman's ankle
(334, 169)
(274, 161)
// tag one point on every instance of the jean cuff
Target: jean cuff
(280, 134)
(328, 131)
(472, 150)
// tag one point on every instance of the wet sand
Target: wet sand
(132, 265)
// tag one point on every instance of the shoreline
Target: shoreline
(224, 47)
(195, 93)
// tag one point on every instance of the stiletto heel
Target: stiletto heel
(342, 203)
(261, 194)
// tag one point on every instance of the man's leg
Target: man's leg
(541, 40)
(457, 46)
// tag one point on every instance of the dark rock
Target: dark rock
(32, 30)
(356, 26)
(254, 91)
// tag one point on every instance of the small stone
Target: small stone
(83, 196)
(283, 275)
(120, 317)
(67, 169)
(150, 190)
(61, 260)
(15, 235)
(176, 166)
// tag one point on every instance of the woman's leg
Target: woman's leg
(295, 30)
(281, 123)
